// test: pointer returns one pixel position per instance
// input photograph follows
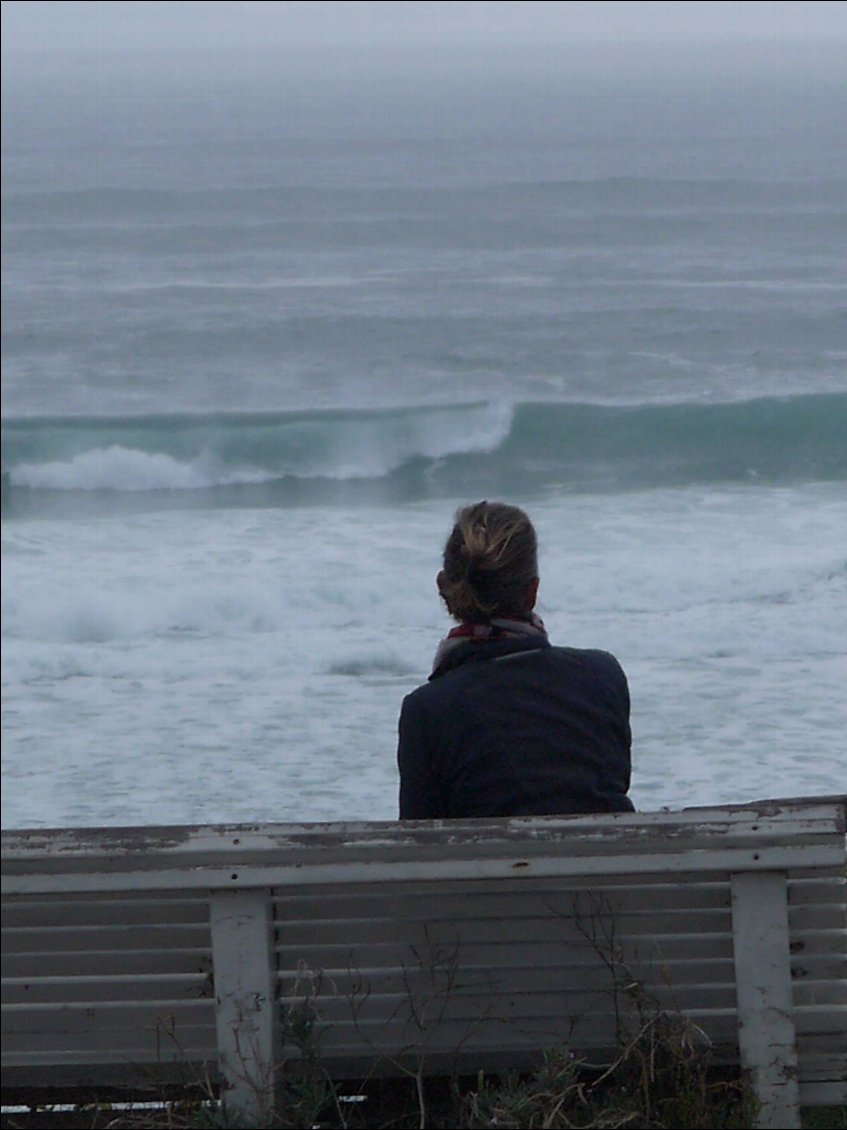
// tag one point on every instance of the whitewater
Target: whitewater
(254, 360)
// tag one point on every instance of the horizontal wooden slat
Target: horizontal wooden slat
(193, 1044)
(826, 888)
(67, 914)
(331, 951)
(342, 961)
(27, 1082)
(106, 1024)
(684, 893)
(830, 1092)
(241, 876)
(714, 839)
(486, 913)
(481, 905)
(805, 918)
(825, 1065)
(119, 1028)
(592, 1039)
(823, 966)
(504, 1028)
(656, 892)
(830, 1019)
(105, 988)
(689, 985)
(821, 976)
(716, 824)
(96, 939)
(324, 935)
(113, 963)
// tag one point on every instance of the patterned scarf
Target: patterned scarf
(482, 633)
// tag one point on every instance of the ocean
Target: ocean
(269, 319)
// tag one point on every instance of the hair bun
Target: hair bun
(489, 559)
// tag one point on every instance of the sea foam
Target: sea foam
(251, 664)
(195, 453)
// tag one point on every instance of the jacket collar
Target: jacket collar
(471, 650)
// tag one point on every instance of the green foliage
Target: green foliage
(306, 1090)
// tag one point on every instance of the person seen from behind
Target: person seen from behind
(509, 725)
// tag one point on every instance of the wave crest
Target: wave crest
(112, 468)
(196, 453)
(456, 451)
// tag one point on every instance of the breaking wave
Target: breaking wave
(410, 453)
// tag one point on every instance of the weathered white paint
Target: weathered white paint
(766, 1032)
(246, 1012)
(587, 835)
(377, 871)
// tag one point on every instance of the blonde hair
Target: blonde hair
(490, 557)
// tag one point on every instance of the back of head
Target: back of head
(490, 559)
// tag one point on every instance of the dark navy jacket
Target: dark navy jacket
(516, 727)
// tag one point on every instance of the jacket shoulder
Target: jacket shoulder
(590, 656)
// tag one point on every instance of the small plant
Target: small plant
(662, 1080)
(553, 1097)
(306, 1089)
(664, 1077)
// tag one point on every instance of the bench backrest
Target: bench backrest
(140, 956)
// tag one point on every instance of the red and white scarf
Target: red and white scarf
(482, 633)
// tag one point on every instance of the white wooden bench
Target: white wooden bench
(139, 957)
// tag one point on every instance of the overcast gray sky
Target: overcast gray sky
(91, 24)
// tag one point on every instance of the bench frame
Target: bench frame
(244, 872)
